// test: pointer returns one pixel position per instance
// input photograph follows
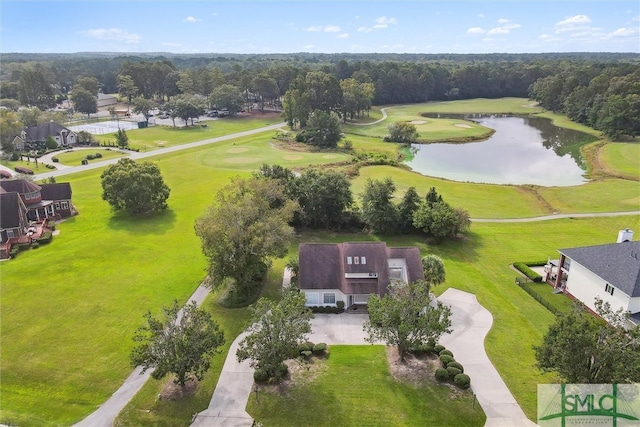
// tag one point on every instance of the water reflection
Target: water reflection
(523, 150)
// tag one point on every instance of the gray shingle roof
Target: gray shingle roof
(41, 132)
(323, 266)
(21, 186)
(57, 191)
(10, 205)
(616, 263)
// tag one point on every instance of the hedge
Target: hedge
(453, 371)
(442, 375)
(462, 380)
(445, 351)
(446, 359)
(456, 365)
(524, 269)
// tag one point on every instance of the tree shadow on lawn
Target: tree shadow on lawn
(156, 224)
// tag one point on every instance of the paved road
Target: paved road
(470, 323)
(556, 216)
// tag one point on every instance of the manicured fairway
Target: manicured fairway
(622, 158)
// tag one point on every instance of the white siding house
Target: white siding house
(609, 272)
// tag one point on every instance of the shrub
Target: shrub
(462, 380)
(15, 156)
(304, 347)
(446, 359)
(524, 269)
(306, 354)
(453, 371)
(97, 155)
(438, 348)
(320, 309)
(319, 348)
(55, 159)
(447, 352)
(340, 306)
(35, 245)
(260, 375)
(282, 370)
(50, 166)
(46, 237)
(456, 365)
(442, 374)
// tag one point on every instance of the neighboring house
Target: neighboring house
(42, 201)
(13, 220)
(105, 100)
(610, 272)
(36, 136)
(351, 272)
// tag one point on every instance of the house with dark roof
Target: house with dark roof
(26, 208)
(610, 272)
(36, 136)
(351, 272)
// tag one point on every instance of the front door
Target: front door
(349, 301)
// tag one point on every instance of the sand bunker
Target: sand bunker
(463, 125)
(292, 157)
(418, 122)
(243, 160)
(237, 150)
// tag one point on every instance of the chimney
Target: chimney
(625, 235)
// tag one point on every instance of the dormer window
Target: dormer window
(349, 260)
(363, 260)
(356, 260)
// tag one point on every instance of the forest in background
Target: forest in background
(601, 90)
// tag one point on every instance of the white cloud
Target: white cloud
(309, 47)
(364, 30)
(172, 44)
(475, 30)
(343, 36)
(326, 28)
(383, 20)
(497, 30)
(191, 19)
(623, 32)
(574, 20)
(481, 15)
(502, 21)
(511, 26)
(115, 34)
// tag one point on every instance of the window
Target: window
(64, 205)
(608, 288)
(329, 298)
(395, 273)
(356, 260)
(349, 260)
(363, 260)
(312, 298)
(56, 205)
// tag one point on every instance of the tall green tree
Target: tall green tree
(180, 343)
(248, 224)
(322, 130)
(122, 139)
(406, 317)
(266, 88)
(378, 210)
(324, 197)
(406, 208)
(227, 96)
(143, 106)
(127, 88)
(90, 84)
(276, 330)
(10, 127)
(136, 188)
(402, 132)
(84, 101)
(583, 349)
(434, 271)
(35, 89)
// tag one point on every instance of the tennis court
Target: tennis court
(102, 128)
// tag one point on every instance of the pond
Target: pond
(523, 150)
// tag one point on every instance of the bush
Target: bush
(456, 365)
(46, 237)
(438, 348)
(35, 245)
(453, 371)
(304, 347)
(282, 370)
(446, 359)
(55, 159)
(462, 380)
(306, 354)
(340, 306)
(445, 351)
(524, 269)
(442, 375)
(260, 375)
(319, 348)
(15, 156)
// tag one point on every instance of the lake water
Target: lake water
(523, 150)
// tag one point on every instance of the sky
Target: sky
(348, 26)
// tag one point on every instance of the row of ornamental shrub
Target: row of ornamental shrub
(451, 370)
(94, 156)
(337, 309)
(524, 269)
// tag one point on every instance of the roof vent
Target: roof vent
(625, 235)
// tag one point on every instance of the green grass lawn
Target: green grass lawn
(355, 388)
(69, 308)
(622, 158)
(74, 158)
(481, 105)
